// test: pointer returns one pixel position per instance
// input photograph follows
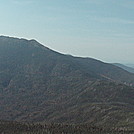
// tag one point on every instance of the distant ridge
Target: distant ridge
(127, 68)
(130, 65)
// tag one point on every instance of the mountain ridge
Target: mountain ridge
(41, 85)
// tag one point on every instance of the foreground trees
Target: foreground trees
(31, 128)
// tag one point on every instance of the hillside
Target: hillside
(38, 84)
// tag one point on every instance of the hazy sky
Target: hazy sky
(102, 29)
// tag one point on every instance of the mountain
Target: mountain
(40, 85)
(129, 69)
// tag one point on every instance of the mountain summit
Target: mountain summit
(39, 84)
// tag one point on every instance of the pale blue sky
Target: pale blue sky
(102, 29)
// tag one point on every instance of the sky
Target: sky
(101, 29)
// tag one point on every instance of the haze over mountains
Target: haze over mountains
(130, 65)
(41, 85)
(127, 68)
